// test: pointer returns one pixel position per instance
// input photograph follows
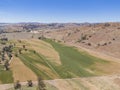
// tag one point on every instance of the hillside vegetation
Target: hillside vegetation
(51, 60)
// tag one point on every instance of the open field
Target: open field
(52, 60)
(45, 49)
(72, 68)
(18, 67)
(74, 63)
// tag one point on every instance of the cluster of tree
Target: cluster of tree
(41, 84)
(5, 53)
(3, 40)
(17, 84)
(7, 50)
(82, 38)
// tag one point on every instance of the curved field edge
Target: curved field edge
(73, 63)
(76, 63)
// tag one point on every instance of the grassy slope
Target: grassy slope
(74, 63)
(32, 61)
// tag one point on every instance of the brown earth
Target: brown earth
(20, 71)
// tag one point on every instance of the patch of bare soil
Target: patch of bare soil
(117, 81)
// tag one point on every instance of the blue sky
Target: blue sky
(47, 11)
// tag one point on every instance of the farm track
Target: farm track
(109, 82)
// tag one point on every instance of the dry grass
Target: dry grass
(48, 71)
(45, 49)
(20, 71)
(110, 68)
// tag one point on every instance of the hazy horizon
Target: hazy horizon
(58, 22)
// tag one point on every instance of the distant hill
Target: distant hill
(8, 27)
(102, 37)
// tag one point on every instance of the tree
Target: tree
(17, 85)
(10, 56)
(6, 65)
(29, 83)
(16, 54)
(83, 37)
(20, 51)
(3, 57)
(23, 46)
(41, 85)
(34, 51)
